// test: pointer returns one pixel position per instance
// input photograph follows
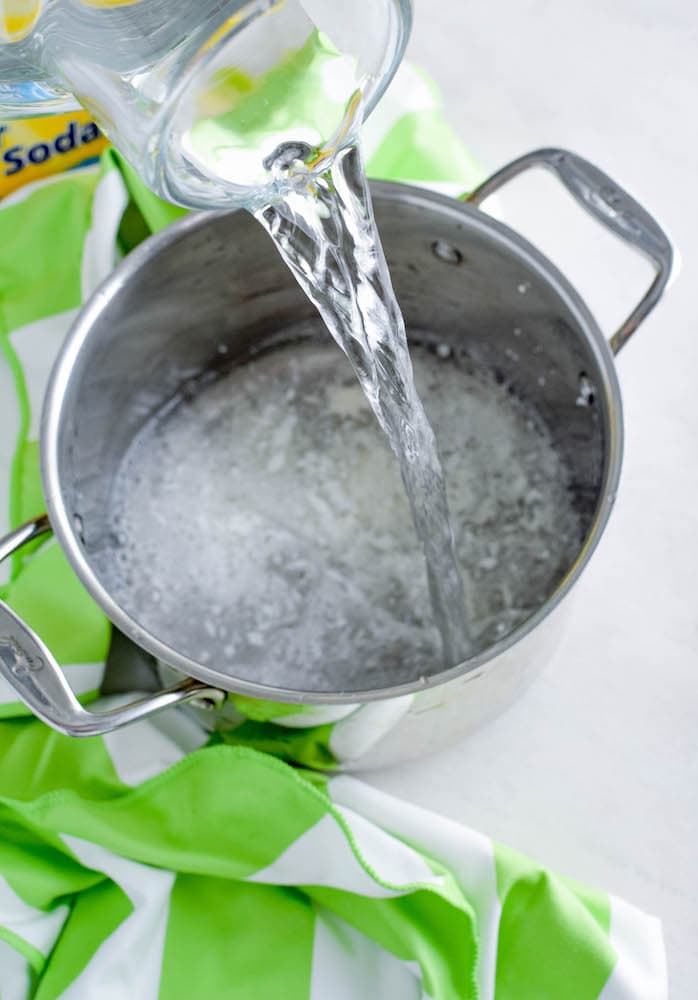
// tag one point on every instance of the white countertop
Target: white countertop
(595, 770)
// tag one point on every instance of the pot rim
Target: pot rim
(68, 364)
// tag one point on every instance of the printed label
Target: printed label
(37, 147)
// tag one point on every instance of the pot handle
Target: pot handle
(29, 667)
(611, 206)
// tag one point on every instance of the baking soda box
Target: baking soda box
(31, 148)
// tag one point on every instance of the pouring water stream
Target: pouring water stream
(323, 226)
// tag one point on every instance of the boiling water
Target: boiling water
(269, 508)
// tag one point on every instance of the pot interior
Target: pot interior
(215, 301)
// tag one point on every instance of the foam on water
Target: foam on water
(261, 525)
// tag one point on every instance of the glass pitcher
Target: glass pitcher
(204, 96)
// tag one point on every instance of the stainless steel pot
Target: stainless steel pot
(215, 278)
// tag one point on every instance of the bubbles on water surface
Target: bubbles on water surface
(269, 517)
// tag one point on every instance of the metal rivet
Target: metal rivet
(446, 252)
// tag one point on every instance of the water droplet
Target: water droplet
(523, 287)
(541, 380)
(517, 331)
(444, 351)
(79, 526)
(222, 348)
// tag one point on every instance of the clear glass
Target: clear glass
(199, 96)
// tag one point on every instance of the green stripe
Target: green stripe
(423, 927)
(33, 956)
(95, 915)
(265, 711)
(37, 864)
(224, 811)
(422, 147)
(12, 709)
(550, 942)
(28, 497)
(433, 925)
(236, 939)
(44, 235)
(31, 495)
(597, 903)
(44, 589)
(15, 484)
(151, 213)
(37, 760)
(306, 745)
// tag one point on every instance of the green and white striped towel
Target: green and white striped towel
(129, 869)
(161, 863)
